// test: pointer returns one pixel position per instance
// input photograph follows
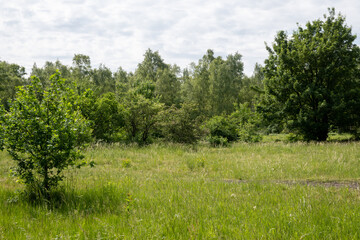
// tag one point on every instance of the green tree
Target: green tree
(48, 70)
(167, 86)
(148, 68)
(221, 130)
(213, 84)
(180, 124)
(225, 82)
(102, 80)
(122, 82)
(196, 88)
(107, 118)
(141, 115)
(310, 77)
(147, 73)
(11, 76)
(248, 123)
(2, 127)
(43, 131)
(252, 87)
(81, 72)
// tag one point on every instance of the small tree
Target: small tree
(181, 125)
(105, 115)
(141, 115)
(248, 123)
(222, 130)
(43, 131)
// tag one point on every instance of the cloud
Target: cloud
(117, 33)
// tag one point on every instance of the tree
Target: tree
(141, 114)
(48, 70)
(148, 68)
(43, 131)
(197, 87)
(105, 114)
(225, 83)
(181, 124)
(82, 64)
(248, 123)
(81, 72)
(103, 80)
(310, 76)
(2, 127)
(11, 76)
(252, 87)
(146, 75)
(214, 83)
(222, 130)
(167, 86)
(122, 82)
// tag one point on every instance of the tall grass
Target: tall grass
(182, 192)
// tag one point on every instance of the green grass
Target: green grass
(246, 191)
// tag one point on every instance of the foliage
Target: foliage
(100, 80)
(108, 117)
(181, 125)
(122, 83)
(81, 72)
(252, 87)
(103, 81)
(248, 123)
(2, 127)
(140, 115)
(43, 131)
(225, 81)
(105, 115)
(214, 83)
(167, 86)
(222, 130)
(197, 88)
(11, 76)
(149, 67)
(311, 78)
(146, 88)
(48, 70)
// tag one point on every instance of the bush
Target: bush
(105, 114)
(141, 115)
(222, 130)
(248, 132)
(43, 132)
(247, 122)
(218, 141)
(180, 125)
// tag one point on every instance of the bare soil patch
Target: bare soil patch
(332, 183)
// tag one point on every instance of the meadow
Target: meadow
(268, 190)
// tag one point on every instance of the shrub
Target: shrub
(140, 116)
(180, 125)
(222, 130)
(43, 132)
(247, 122)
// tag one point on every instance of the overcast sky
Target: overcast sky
(117, 33)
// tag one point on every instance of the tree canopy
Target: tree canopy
(42, 131)
(311, 76)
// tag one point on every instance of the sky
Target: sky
(117, 33)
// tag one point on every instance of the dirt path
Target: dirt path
(332, 183)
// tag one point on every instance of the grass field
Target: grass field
(269, 190)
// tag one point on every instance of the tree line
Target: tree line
(157, 101)
(309, 86)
